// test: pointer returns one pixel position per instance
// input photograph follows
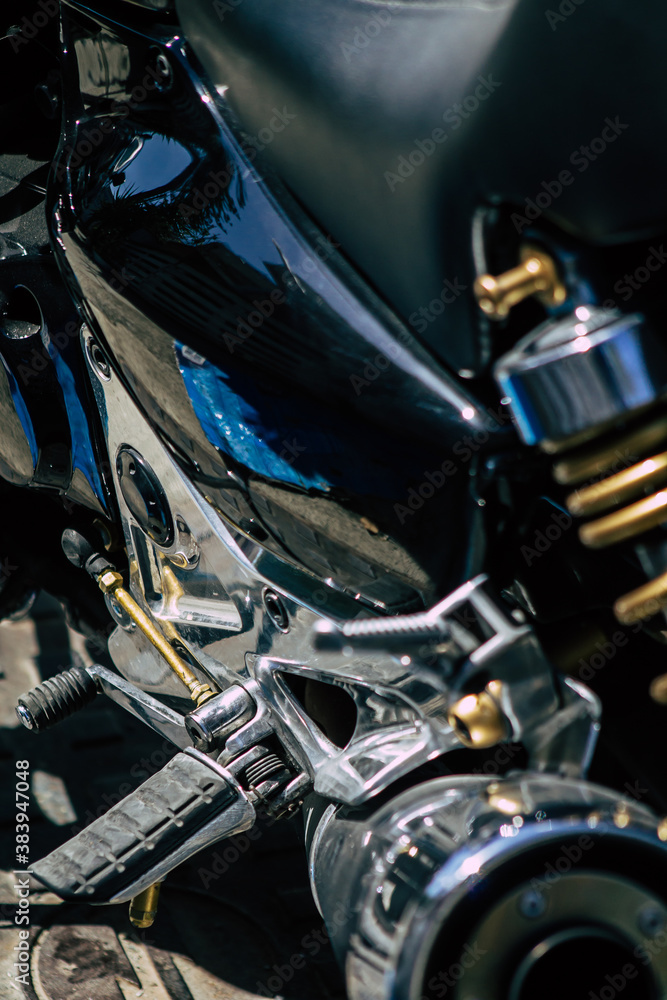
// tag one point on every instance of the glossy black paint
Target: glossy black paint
(408, 118)
(48, 440)
(359, 445)
(47, 426)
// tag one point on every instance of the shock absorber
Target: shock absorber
(589, 389)
(623, 504)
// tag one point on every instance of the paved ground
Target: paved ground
(233, 923)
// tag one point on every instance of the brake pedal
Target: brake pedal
(191, 803)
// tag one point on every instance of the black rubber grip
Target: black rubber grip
(56, 699)
(136, 834)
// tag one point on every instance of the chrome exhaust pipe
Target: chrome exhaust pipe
(526, 887)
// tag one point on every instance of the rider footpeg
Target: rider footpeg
(56, 699)
(461, 623)
(191, 803)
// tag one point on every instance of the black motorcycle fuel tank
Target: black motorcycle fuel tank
(306, 411)
(407, 116)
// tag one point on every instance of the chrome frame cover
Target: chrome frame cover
(209, 585)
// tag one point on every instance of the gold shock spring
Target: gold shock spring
(627, 499)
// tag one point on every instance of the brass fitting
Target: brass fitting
(143, 908)
(535, 275)
(478, 720)
(109, 581)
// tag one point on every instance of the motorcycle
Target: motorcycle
(332, 395)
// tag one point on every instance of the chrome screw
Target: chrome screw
(532, 905)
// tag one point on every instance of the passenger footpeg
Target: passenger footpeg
(191, 803)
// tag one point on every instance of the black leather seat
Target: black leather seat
(393, 122)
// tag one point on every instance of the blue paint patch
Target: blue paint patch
(288, 438)
(83, 454)
(23, 415)
(234, 425)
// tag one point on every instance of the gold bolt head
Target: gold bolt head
(478, 720)
(109, 580)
